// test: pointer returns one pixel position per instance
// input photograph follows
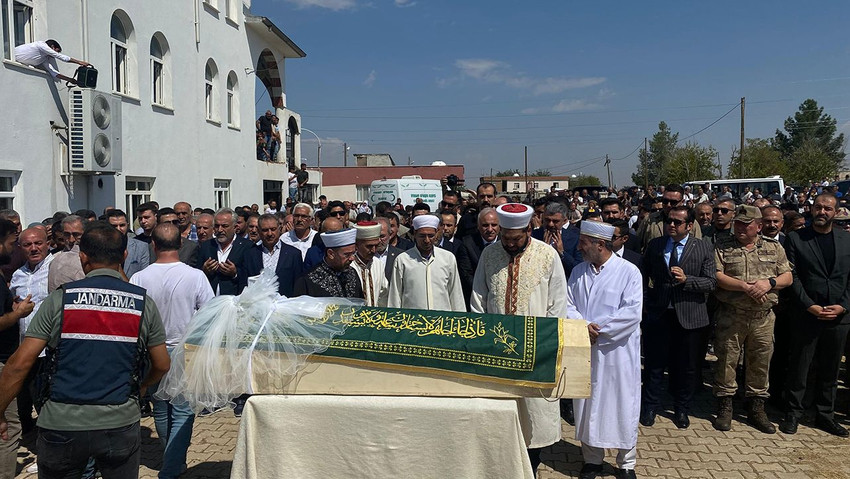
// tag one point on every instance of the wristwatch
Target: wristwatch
(772, 282)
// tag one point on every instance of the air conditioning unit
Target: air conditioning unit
(94, 133)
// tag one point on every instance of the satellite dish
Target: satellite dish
(438, 163)
(102, 150)
(101, 113)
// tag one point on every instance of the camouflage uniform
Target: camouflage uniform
(741, 321)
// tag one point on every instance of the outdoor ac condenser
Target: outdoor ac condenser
(94, 133)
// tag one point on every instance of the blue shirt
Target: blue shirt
(669, 248)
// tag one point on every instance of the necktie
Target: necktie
(674, 255)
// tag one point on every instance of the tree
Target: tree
(761, 159)
(690, 162)
(662, 148)
(585, 180)
(508, 172)
(541, 172)
(812, 128)
(810, 161)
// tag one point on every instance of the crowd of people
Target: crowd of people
(663, 278)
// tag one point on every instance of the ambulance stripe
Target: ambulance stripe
(100, 322)
(99, 337)
(104, 291)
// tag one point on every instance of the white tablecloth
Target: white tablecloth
(380, 437)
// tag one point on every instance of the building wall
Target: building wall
(176, 146)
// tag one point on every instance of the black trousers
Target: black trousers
(667, 345)
(821, 341)
(65, 454)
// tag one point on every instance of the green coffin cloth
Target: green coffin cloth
(516, 350)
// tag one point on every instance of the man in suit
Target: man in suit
(469, 250)
(386, 253)
(678, 270)
(274, 254)
(223, 257)
(620, 241)
(613, 209)
(138, 256)
(447, 232)
(652, 227)
(557, 233)
(821, 257)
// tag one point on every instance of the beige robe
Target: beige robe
(541, 290)
(374, 282)
(432, 284)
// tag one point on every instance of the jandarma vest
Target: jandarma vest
(99, 357)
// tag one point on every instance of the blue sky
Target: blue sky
(473, 82)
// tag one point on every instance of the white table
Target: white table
(328, 437)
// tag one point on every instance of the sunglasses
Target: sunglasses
(722, 210)
(337, 213)
(674, 221)
(669, 201)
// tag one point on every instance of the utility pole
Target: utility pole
(741, 152)
(526, 172)
(608, 166)
(645, 166)
(345, 154)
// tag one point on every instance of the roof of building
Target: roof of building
(271, 33)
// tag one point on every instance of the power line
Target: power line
(710, 124)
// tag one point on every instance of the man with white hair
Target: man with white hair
(425, 277)
(607, 292)
(301, 236)
(521, 275)
(223, 258)
(369, 270)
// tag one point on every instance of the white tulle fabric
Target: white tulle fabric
(232, 337)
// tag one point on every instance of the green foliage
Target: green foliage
(662, 148)
(667, 163)
(508, 172)
(541, 172)
(809, 147)
(585, 180)
(810, 161)
(761, 159)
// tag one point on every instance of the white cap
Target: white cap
(426, 221)
(339, 238)
(368, 230)
(596, 229)
(514, 216)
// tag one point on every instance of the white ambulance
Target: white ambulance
(408, 188)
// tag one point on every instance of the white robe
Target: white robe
(613, 299)
(542, 291)
(431, 284)
(377, 295)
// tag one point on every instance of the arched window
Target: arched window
(232, 100)
(210, 90)
(160, 71)
(123, 57)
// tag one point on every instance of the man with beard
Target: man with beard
(146, 214)
(520, 275)
(333, 277)
(751, 270)
(223, 258)
(18, 258)
(301, 236)
(469, 250)
(721, 221)
(425, 277)
(188, 251)
(821, 257)
(704, 214)
(242, 223)
(370, 271)
(12, 312)
(607, 292)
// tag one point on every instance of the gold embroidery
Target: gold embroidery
(503, 337)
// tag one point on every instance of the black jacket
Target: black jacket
(813, 282)
(238, 256)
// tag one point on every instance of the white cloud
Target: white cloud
(370, 80)
(404, 3)
(335, 5)
(495, 71)
(563, 106)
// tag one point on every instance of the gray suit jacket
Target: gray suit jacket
(138, 257)
(689, 298)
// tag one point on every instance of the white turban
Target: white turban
(340, 238)
(596, 229)
(426, 221)
(514, 216)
